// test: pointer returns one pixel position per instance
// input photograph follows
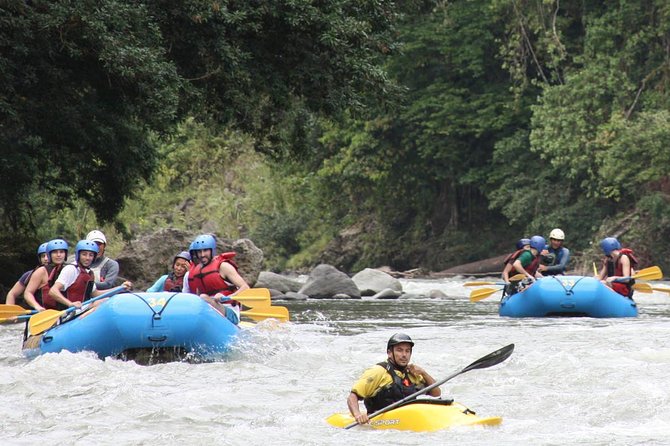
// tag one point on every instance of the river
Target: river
(574, 381)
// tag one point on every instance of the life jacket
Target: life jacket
(53, 271)
(97, 270)
(616, 269)
(172, 283)
(206, 279)
(513, 256)
(392, 393)
(81, 288)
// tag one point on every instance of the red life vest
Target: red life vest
(173, 283)
(513, 256)
(532, 267)
(53, 271)
(79, 290)
(206, 279)
(616, 269)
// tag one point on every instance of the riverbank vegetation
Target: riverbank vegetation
(355, 133)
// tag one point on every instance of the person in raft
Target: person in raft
(15, 294)
(215, 278)
(173, 281)
(619, 263)
(555, 256)
(389, 381)
(526, 263)
(43, 278)
(521, 246)
(76, 282)
(105, 270)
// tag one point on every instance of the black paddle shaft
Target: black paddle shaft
(489, 360)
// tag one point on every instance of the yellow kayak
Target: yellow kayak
(421, 416)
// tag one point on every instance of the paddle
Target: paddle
(595, 270)
(489, 360)
(515, 278)
(15, 318)
(13, 310)
(260, 314)
(651, 273)
(482, 294)
(646, 288)
(254, 297)
(46, 319)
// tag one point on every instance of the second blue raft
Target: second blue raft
(567, 296)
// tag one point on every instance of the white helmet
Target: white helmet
(557, 234)
(96, 236)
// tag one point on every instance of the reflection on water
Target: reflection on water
(569, 381)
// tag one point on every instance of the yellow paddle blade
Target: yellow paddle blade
(482, 294)
(517, 277)
(664, 290)
(643, 288)
(260, 314)
(12, 310)
(254, 297)
(43, 321)
(651, 273)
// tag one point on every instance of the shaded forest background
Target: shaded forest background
(361, 133)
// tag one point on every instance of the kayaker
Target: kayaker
(215, 277)
(106, 270)
(15, 294)
(619, 264)
(558, 255)
(174, 280)
(44, 277)
(76, 282)
(390, 381)
(526, 263)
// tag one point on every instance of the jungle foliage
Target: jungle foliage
(438, 134)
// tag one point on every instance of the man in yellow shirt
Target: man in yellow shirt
(390, 381)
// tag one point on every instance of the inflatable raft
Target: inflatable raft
(567, 296)
(421, 416)
(153, 327)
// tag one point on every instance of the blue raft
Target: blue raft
(567, 296)
(165, 326)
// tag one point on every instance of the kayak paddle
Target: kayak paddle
(14, 310)
(274, 312)
(489, 360)
(43, 321)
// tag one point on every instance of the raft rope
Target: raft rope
(568, 291)
(157, 315)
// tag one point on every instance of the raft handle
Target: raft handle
(157, 338)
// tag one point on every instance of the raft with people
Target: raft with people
(160, 325)
(567, 296)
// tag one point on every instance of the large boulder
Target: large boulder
(326, 281)
(267, 279)
(371, 281)
(148, 257)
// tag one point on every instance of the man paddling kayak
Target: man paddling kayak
(390, 381)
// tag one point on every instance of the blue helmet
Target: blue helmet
(85, 245)
(182, 255)
(522, 242)
(42, 249)
(538, 242)
(609, 244)
(55, 245)
(205, 241)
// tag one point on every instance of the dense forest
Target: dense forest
(362, 133)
